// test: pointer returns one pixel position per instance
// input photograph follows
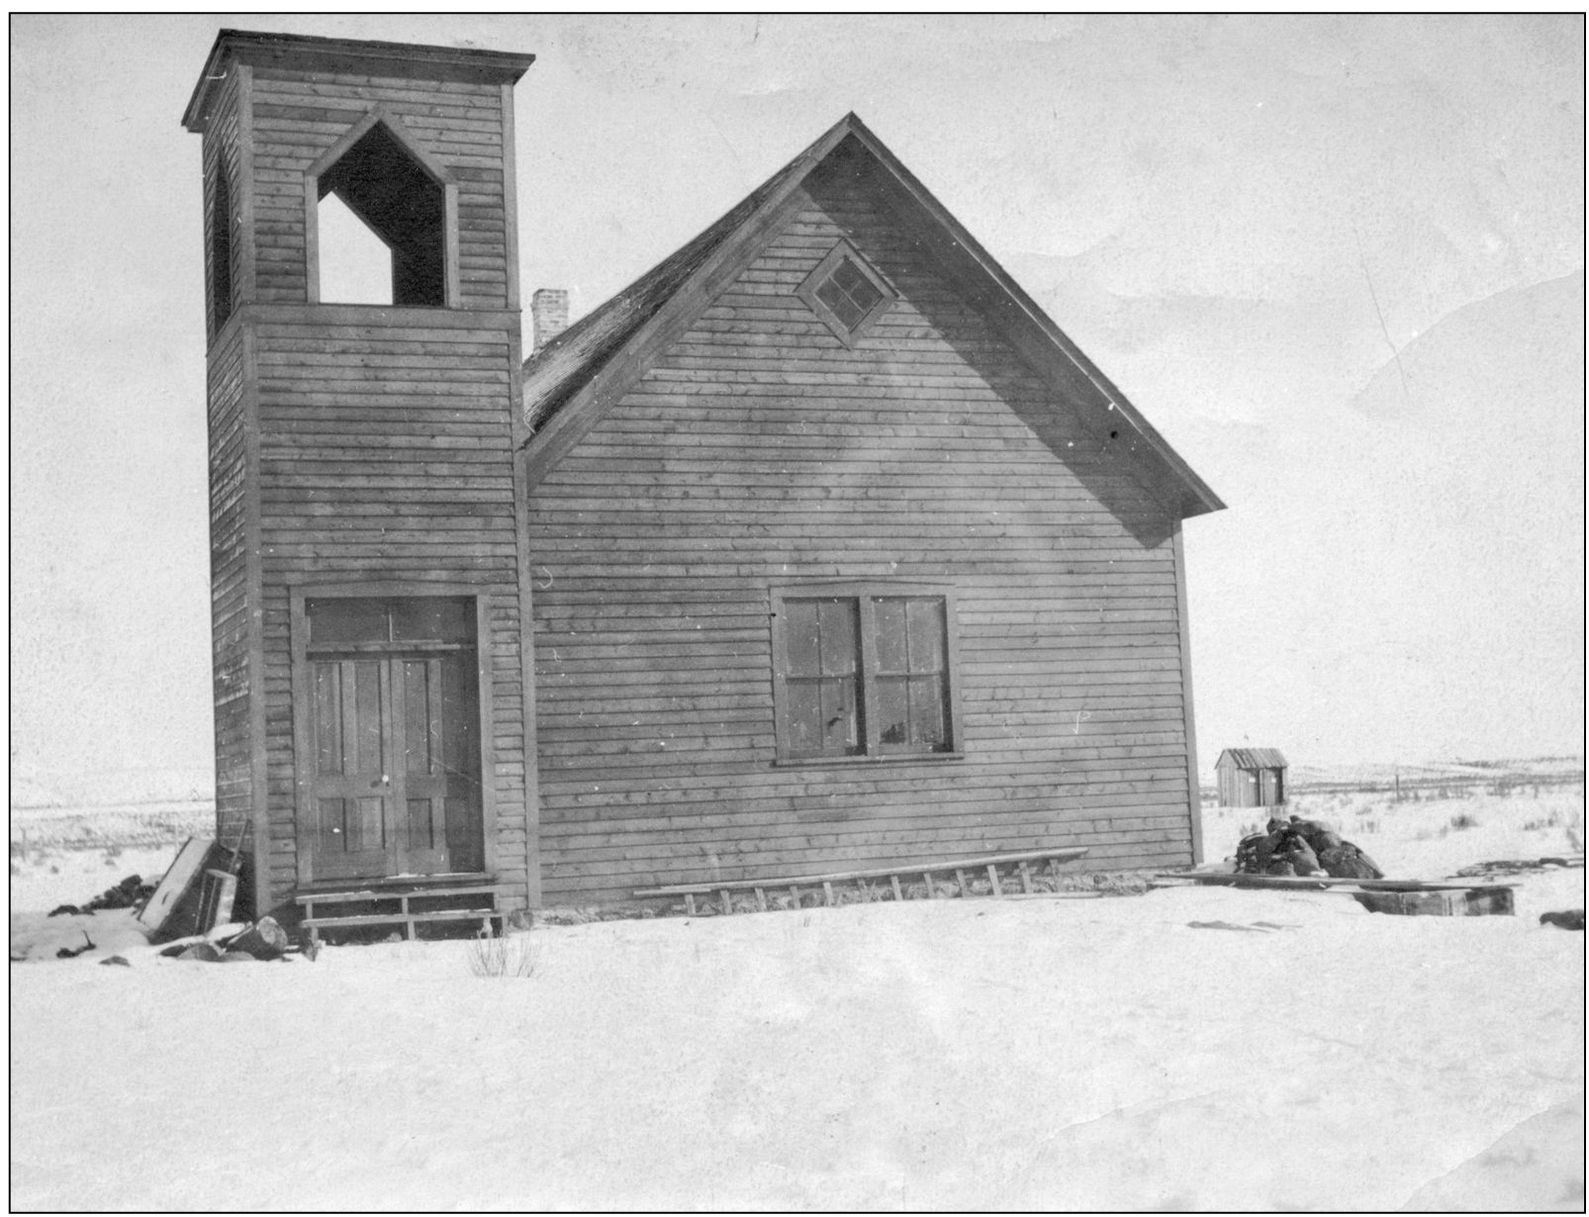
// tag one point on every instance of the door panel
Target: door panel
(351, 788)
(423, 847)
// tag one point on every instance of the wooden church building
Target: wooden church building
(818, 547)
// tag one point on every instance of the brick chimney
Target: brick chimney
(548, 316)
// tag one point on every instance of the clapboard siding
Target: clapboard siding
(231, 628)
(355, 489)
(757, 451)
(298, 115)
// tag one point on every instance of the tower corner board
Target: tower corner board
(845, 557)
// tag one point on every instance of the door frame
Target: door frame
(303, 746)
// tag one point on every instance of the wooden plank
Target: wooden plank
(1305, 882)
(1472, 902)
(827, 893)
(960, 878)
(394, 918)
(364, 895)
(1026, 877)
(993, 878)
(183, 873)
(1194, 793)
(894, 883)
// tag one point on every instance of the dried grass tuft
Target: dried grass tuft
(507, 956)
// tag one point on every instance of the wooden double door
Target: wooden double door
(395, 766)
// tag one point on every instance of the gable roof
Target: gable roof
(554, 373)
(570, 382)
(1252, 758)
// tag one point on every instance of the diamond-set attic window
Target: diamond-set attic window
(846, 293)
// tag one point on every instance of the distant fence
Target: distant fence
(1499, 783)
(122, 824)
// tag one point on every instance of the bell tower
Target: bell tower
(367, 561)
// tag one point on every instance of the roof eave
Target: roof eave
(251, 46)
(1199, 498)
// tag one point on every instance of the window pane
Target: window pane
(804, 716)
(354, 620)
(893, 709)
(926, 635)
(927, 712)
(433, 619)
(839, 720)
(800, 638)
(848, 276)
(832, 295)
(888, 624)
(837, 627)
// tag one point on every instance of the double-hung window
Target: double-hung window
(864, 671)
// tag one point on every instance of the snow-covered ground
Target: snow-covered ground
(1191, 1048)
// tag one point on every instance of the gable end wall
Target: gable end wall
(757, 452)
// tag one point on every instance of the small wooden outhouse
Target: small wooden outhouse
(1251, 777)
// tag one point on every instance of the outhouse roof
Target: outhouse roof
(1252, 758)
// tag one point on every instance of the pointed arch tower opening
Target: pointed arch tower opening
(397, 195)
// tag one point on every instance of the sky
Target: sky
(1337, 262)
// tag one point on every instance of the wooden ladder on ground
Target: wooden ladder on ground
(902, 881)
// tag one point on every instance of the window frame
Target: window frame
(872, 750)
(451, 275)
(807, 291)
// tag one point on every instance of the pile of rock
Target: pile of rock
(1302, 847)
(131, 892)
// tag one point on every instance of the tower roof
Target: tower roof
(403, 60)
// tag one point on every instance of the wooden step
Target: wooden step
(414, 893)
(405, 914)
(393, 918)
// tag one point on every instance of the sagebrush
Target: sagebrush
(507, 955)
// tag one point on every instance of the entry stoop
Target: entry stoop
(402, 904)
